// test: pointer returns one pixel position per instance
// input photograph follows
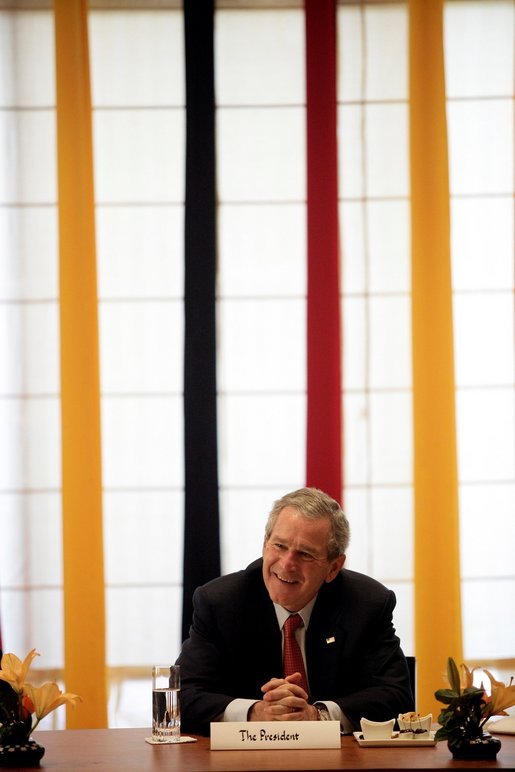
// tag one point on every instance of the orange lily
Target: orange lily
(27, 708)
(460, 678)
(14, 671)
(47, 698)
(466, 677)
(501, 696)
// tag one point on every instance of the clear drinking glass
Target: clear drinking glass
(166, 709)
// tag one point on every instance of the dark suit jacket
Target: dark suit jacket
(235, 647)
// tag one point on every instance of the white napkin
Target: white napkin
(182, 739)
(501, 725)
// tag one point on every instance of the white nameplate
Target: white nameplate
(259, 735)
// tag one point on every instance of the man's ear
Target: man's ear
(335, 568)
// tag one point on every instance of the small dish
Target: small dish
(377, 730)
(413, 726)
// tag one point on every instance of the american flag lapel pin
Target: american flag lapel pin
(332, 639)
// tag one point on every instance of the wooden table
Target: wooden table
(126, 749)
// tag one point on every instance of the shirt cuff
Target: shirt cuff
(238, 710)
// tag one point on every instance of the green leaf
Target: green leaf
(441, 734)
(473, 691)
(446, 695)
(453, 675)
(444, 717)
(471, 698)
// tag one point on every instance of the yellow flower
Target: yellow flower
(48, 697)
(14, 671)
(501, 696)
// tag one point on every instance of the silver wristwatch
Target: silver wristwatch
(323, 713)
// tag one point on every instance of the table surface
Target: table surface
(117, 749)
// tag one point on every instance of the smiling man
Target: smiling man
(349, 659)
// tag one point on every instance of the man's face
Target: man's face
(295, 563)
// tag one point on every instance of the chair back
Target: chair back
(412, 669)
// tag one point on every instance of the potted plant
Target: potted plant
(467, 710)
(22, 706)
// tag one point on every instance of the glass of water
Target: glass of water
(166, 710)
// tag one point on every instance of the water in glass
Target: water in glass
(166, 715)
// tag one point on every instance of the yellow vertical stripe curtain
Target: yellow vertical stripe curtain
(437, 572)
(437, 562)
(83, 557)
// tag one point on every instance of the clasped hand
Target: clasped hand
(283, 700)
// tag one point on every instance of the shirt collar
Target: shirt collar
(283, 614)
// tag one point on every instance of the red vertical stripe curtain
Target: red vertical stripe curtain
(324, 422)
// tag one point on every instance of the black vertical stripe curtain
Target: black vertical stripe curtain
(201, 515)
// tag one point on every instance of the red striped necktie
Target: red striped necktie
(292, 655)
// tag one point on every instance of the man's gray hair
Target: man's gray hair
(314, 504)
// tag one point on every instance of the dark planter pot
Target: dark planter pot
(26, 754)
(482, 748)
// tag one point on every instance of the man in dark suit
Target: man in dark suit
(232, 662)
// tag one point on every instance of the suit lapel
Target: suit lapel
(265, 637)
(325, 639)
